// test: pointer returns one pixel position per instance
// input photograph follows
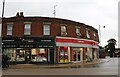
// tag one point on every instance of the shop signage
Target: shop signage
(75, 40)
(28, 46)
(29, 42)
(8, 40)
(46, 40)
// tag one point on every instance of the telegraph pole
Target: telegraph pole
(3, 8)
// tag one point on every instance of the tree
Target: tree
(111, 46)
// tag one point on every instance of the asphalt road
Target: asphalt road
(108, 68)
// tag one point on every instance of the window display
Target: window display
(25, 55)
(33, 51)
(10, 52)
(39, 55)
(63, 54)
(34, 55)
(20, 55)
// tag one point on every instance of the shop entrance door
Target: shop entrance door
(27, 56)
(77, 56)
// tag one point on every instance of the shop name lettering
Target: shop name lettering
(81, 41)
(45, 40)
(7, 40)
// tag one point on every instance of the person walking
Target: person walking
(6, 61)
(3, 61)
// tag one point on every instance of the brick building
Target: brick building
(48, 40)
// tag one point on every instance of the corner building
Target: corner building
(48, 40)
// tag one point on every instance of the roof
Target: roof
(39, 18)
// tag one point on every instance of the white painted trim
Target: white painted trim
(76, 39)
(75, 45)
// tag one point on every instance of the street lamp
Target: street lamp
(100, 32)
(3, 8)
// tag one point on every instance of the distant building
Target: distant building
(48, 40)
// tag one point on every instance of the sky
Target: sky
(90, 12)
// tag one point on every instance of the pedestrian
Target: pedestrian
(4, 61)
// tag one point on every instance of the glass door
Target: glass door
(27, 56)
(77, 55)
(20, 55)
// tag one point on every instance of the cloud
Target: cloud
(90, 12)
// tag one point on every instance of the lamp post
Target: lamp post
(100, 32)
(3, 8)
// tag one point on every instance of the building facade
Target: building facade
(48, 40)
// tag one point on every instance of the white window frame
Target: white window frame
(27, 29)
(94, 36)
(9, 29)
(46, 29)
(87, 33)
(78, 31)
(63, 30)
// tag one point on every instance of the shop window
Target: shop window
(78, 31)
(11, 53)
(9, 29)
(63, 30)
(46, 29)
(39, 55)
(27, 29)
(89, 54)
(34, 55)
(20, 55)
(63, 54)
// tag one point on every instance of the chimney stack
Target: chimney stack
(19, 14)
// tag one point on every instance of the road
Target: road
(108, 68)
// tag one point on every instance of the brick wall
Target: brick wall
(37, 27)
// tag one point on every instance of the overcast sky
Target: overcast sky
(90, 12)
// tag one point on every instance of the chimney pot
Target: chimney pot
(17, 15)
(21, 14)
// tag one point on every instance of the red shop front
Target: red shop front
(74, 49)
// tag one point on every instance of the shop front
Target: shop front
(76, 50)
(29, 49)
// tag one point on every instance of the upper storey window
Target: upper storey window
(63, 30)
(46, 29)
(27, 29)
(87, 33)
(94, 36)
(78, 31)
(9, 29)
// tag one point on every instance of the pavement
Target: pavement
(74, 64)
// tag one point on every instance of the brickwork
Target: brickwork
(55, 27)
